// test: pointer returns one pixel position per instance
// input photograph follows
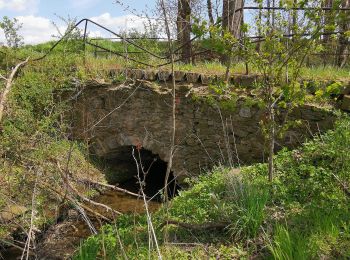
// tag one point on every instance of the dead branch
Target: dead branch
(149, 219)
(193, 226)
(31, 234)
(12, 244)
(74, 201)
(65, 179)
(8, 86)
(113, 187)
(345, 188)
(2, 77)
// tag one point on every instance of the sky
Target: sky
(37, 15)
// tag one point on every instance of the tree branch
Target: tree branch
(2, 77)
(8, 87)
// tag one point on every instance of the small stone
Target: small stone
(245, 80)
(245, 112)
(179, 76)
(114, 72)
(137, 74)
(164, 76)
(192, 77)
(346, 90)
(206, 79)
(150, 75)
(346, 103)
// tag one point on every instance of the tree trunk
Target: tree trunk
(294, 19)
(184, 29)
(328, 20)
(210, 12)
(232, 13)
(232, 16)
(343, 49)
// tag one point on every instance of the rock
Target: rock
(137, 74)
(11, 212)
(346, 89)
(206, 79)
(245, 80)
(150, 75)
(179, 76)
(345, 105)
(245, 112)
(192, 77)
(164, 76)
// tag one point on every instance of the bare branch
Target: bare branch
(8, 87)
(2, 77)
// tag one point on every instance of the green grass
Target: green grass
(313, 72)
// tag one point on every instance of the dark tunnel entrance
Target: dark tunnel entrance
(122, 171)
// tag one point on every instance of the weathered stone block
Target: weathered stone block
(245, 112)
(206, 79)
(150, 75)
(345, 105)
(179, 76)
(244, 80)
(192, 77)
(137, 74)
(164, 76)
(114, 72)
(346, 89)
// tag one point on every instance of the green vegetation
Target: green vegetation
(302, 214)
(34, 142)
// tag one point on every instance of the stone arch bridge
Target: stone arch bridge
(116, 117)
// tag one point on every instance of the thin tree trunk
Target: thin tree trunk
(272, 144)
(210, 12)
(8, 86)
(343, 40)
(184, 29)
(328, 20)
(294, 18)
(173, 128)
(232, 20)
(258, 45)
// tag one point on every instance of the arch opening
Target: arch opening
(122, 171)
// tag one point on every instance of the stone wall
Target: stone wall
(139, 114)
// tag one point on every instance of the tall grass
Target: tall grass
(287, 245)
(249, 203)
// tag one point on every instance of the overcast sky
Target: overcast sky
(36, 15)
